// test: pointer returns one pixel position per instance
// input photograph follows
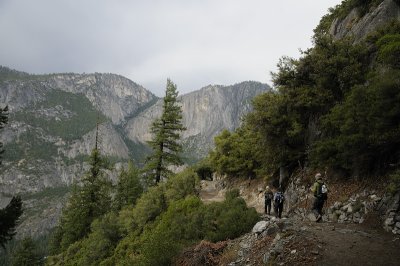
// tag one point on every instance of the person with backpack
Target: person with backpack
(279, 199)
(268, 196)
(320, 192)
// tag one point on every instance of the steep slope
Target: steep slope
(52, 123)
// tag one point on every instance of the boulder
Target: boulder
(260, 227)
(311, 217)
(271, 230)
(350, 208)
(389, 221)
(375, 198)
(337, 205)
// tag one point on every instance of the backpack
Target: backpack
(279, 197)
(322, 191)
(269, 196)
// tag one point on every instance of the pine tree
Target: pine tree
(87, 202)
(26, 254)
(3, 121)
(9, 219)
(129, 187)
(166, 134)
(10, 214)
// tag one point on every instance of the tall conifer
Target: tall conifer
(166, 135)
(10, 214)
(87, 202)
(3, 121)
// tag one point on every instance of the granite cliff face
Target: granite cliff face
(360, 26)
(206, 113)
(52, 126)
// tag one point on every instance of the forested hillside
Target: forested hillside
(335, 107)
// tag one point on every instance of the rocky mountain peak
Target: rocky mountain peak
(115, 96)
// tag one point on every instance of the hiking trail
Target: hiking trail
(324, 243)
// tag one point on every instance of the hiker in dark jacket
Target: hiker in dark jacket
(320, 196)
(278, 202)
(268, 196)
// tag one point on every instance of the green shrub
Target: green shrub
(389, 50)
(232, 194)
(181, 225)
(26, 254)
(204, 169)
(229, 219)
(181, 185)
(148, 207)
(128, 188)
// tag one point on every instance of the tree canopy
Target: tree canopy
(166, 135)
(9, 220)
(88, 201)
(337, 106)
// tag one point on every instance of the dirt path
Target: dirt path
(350, 244)
(210, 193)
(329, 243)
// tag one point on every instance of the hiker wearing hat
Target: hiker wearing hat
(268, 196)
(320, 196)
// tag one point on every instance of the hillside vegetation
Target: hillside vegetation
(335, 107)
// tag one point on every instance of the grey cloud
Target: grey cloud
(193, 42)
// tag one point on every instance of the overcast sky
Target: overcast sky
(193, 42)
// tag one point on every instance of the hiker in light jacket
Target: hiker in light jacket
(320, 195)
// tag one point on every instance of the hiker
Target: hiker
(268, 196)
(320, 196)
(279, 198)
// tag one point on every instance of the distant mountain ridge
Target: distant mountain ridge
(53, 118)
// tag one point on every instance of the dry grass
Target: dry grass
(229, 255)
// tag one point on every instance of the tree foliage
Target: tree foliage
(10, 214)
(26, 254)
(166, 218)
(166, 134)
(362, 134)
(336, 106)
(87, 202)
(3, 121)
(9, 220)
(237, 154)
(129, 188)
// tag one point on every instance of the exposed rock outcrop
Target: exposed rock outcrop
(205, 114)
(359, 27)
